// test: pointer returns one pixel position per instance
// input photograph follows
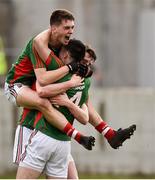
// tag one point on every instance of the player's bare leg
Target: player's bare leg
(72, 171)
(27, 173)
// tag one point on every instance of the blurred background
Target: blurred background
(122, 32)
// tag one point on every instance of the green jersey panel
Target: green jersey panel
(79, 96)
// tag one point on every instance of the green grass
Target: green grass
(12, 175)
(113, 176)
(8, 175)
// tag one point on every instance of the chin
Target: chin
(63, 43)
(66, 42)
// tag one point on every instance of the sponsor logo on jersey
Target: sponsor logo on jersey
(79, 87)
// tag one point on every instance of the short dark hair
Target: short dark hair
(61, 14)
(91, 52)
(76, 49)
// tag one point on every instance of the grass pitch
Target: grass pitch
(12, 175)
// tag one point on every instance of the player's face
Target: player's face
(63, 32)
(88, 60)
(65, 56)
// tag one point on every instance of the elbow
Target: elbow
(85, 120)
(42, 81)
(41, 92)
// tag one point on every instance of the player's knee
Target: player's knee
(43, 104)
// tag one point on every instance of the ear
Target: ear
(53, 28)
(66, 57)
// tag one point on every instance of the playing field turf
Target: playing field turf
(11, 175)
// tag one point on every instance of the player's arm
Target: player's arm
(41, 53)
(80, 113)
(94, 117)
(45, 77)
(58, 88)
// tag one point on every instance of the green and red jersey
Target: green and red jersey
(79, 95)
(23, 69)
(54, 63)
(34, 118)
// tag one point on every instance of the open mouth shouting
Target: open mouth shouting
(67, 38)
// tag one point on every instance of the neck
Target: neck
(54, 43)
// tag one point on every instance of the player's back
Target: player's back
(22, 71)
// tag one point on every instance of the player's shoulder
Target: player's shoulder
(29, 42)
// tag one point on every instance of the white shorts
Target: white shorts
(70, 158)
(11, 91)
(21, 140)
(47, 154)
